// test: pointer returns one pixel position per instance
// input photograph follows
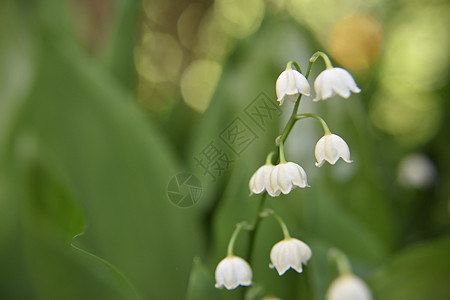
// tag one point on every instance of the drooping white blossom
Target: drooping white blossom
(334, 81)
(290, 84)
(233, 271)
(285, 177)
(348, 287)
(260, 178)
(289, 253)
(330, 148)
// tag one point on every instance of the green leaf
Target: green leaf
(50, 216)
(113, 162)
(420, 272)
(201, 284)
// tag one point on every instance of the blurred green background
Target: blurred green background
(103, 102)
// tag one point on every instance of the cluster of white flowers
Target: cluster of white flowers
(278, 179)
(284, 176)
(291, 83)
(233, 271)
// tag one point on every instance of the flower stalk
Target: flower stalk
(233, 238)
(325, 58)
(254, 227)
(341, 260)
(318, 118)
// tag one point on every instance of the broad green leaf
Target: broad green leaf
(50, 218)
(201, 284)
(420, 272)
(118, 167)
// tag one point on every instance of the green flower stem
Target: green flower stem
(293, 62)
(341, 260)
(233, 238)
(270, 157)
(283, 226)
(254, 227)
(325, 58)
(281, 148)
(318, 118)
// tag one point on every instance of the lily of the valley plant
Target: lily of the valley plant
(279, 176)
(347, 286)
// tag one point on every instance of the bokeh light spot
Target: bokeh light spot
(159, 57)
(412, 118)
(355, 41)
(418, 49)
(240, 18)
(199, 82)
(188, 23)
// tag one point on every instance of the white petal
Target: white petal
(301, 179)
(272, 183)
(334, 81)
(251, 185)
(348, 287)
(290, 84)
(331, 153)
(284, 179)
(285, 258)
(341, 148)
(302, 84)
(323, 86)
(304, 250)
(320, 151)
(257, 182)
(318, 83)
(289, 253)
(330, 148)
(348, 80)
(243, 271)
(232, 272)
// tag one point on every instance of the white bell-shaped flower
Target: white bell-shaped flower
(233, 271)
(289, 253)
(334, 81)
(260, 178)
(290, 84)
(330, 148)
(348, 287)
(285, 177)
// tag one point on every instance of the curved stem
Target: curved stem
(341, 260)
(270, 157)
(325, 58)
(233, 239)
(318, 118)
(293, 62)
(283, 226)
